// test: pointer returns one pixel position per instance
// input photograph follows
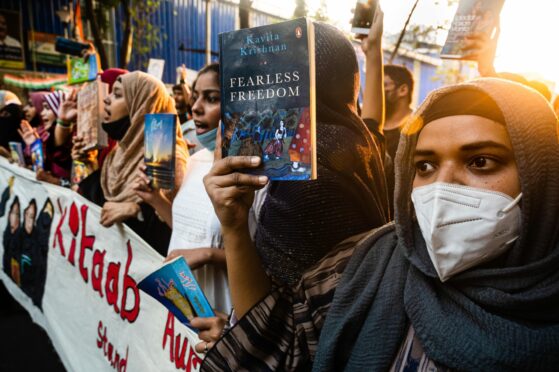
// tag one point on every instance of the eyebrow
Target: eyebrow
(484, 144)
(424, 153)
(469, 147)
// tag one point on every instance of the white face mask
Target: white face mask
(464, 226)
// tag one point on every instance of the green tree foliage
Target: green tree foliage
(300, 9)
(139, 33)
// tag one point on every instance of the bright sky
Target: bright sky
(529, 29)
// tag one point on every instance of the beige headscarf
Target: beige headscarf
(143, 94)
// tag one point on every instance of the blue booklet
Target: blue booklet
(176, 288)
(268, 98)
(37, 158)
(160, 137)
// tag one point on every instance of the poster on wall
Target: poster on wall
(42, 48)
(11, 40)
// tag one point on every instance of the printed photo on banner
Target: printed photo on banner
(11, 43)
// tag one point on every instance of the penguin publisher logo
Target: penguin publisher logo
(298, 32)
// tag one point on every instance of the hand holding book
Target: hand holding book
(482, 47)
(176, 288)
(372, 41)
(210, 329)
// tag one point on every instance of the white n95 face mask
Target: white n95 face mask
(465, 226)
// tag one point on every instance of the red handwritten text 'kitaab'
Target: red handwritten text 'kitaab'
(106, 285)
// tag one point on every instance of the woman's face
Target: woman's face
(47, 115)
(466, 150)
(14, 218)
(115, 105)
(29, 111)
(29, 218)
(206, 105)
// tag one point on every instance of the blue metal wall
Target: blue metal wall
(182, 23)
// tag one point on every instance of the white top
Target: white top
(195, 225)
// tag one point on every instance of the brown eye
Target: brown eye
(479, 162)
(423, 167)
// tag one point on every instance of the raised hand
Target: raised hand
(482, 47)
(374, 39)
(230, 191)
(27, 133)
(69, 108)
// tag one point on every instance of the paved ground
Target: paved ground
(24, 346)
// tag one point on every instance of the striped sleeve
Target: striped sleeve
(281, 332)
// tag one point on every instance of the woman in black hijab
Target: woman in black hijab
(10, 118)
(300, 222)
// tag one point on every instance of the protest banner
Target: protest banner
(78, 280)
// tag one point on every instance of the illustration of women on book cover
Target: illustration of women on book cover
(275, 146)
(300, 147)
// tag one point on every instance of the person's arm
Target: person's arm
(232, 194)
(68, 115)
(198, 257)
(373, 94)
(292, 317)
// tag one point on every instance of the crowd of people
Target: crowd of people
(429, 241)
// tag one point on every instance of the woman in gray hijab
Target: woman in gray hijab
(465, 279)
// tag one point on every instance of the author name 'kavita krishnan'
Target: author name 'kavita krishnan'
(290, 79)
(262, 44)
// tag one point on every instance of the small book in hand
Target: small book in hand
(37, 157)
(176, 288)
(472, 16)
(159, 149)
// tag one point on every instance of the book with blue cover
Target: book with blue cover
(176, 288)
(268, 98)
(37, 157)
(159, 149)
(472, 16)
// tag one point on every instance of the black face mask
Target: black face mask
(118, 128)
